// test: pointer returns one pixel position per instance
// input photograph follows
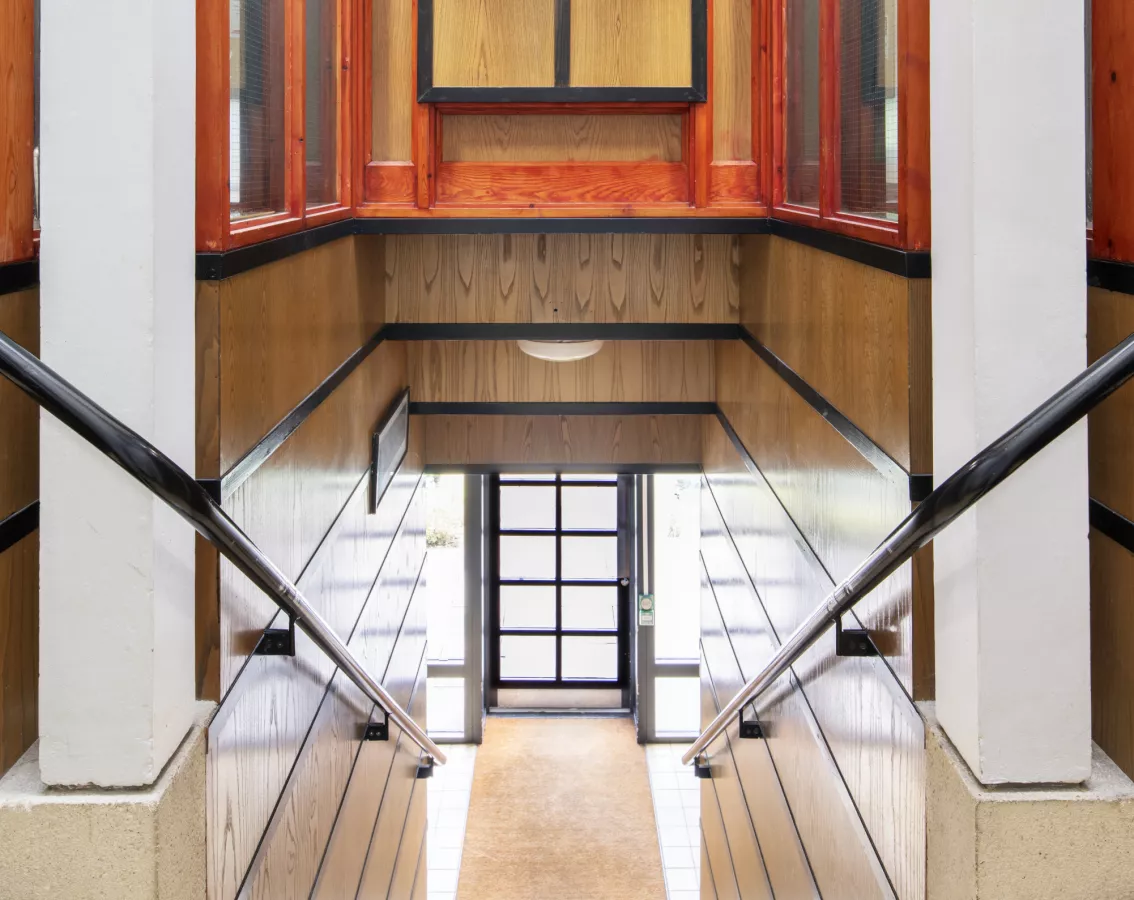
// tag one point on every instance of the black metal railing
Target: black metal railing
(140, 459)
(956, 494)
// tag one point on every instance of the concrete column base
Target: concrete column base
(1033, 842)
(122, 844)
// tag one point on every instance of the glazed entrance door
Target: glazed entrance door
(558, 618)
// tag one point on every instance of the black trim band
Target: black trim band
(564, 468)
(855, 436)
(18, 276)
(561, 95)
(562, 43)
(287, 426)
(1110, 275)
(19, 525)
(563, 409)
(907, 263)
(1114, 525)
(218, 266)
(573, 331)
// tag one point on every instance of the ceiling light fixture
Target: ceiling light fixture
(560, 351)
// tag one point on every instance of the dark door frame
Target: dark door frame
(492, 630)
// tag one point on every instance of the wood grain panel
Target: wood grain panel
(842, 504)
(842, 326)
(571, 184)
(562, 440)
(563, 278)
(19, 415)
(708, 888)
(421, 881)
(498, 371)
(716, 843)
(856, 709)
(258, 731)
(378, 872)
(412, 843)
(1110, 319)
(1112, 634)
(290, 853)
(631, 43)
(732, 80)
(341, 870)
(785, 862)
(327, 301)
(19, 649)
(494, 43)
(561, 138)
(290, 502)
(393, 80)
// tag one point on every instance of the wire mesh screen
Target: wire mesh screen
(801, 94)
(1090, 122)
(256, 107)
(868, 107)
(322, 111)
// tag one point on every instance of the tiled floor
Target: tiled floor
(449, 793)
(677, 807)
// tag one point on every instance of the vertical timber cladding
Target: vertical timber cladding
(1110, 318)
(594, 51)
(19, 550)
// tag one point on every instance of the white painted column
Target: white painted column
(117, 294)
(1009, 329)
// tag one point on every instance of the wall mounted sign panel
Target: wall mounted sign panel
(562, 51)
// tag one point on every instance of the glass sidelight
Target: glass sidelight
(558, 611)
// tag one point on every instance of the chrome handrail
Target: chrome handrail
(957, 494)
(157, 472)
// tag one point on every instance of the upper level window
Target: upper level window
(801, 92)
(868, 108)
(322, 111)
(257, 145)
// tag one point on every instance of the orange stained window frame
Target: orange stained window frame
(696, 185)
(1112, 93)
(17, 130)
(216, 230)
(911, 231)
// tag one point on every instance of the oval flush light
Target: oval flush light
(560, 351)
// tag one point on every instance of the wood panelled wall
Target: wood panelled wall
(573, 138)
(19, 563)
(563, 278)
(622, 371)
(845, 737)
(1110, 318)
(567, 441)
(861, 338)
(286, 741)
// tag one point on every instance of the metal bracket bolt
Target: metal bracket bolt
(853, 641)
(277, 641)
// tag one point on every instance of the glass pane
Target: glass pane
(677, 571)
(590, 658)
(527, 507)
(590, 608)
(445, 566)
(1090, 117)
(321, 116)
(527, 558)
(527, 657)
(527, 607)
(801, 98)
(528, 476)
(590, 508)
(590, 558)
(583, 476)
(868, 107)
(445, 707)
(677, 706)
(256, 107)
